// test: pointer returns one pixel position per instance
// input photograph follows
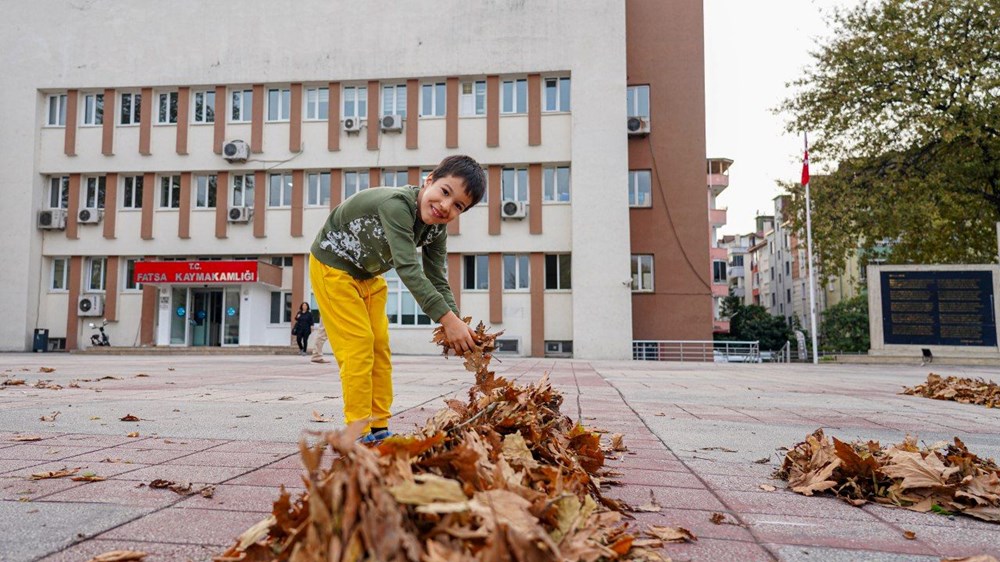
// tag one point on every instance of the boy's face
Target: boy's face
(441, 200)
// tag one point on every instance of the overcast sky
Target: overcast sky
(752, 49)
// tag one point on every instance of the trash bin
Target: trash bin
(41, 340)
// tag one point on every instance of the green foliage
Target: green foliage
(905, 96)
(845, 326)
(753, 323)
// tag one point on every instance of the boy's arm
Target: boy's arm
(435, 260)
(397, 221)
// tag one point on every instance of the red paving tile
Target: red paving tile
(716, 550)
(134, 455)
(99, 468)
(174, 444)
(697, 521)
(212, 458)
(119, 492)
(190, 526)
(235, 498)
(837, 533)
(157, 552)
(786, 502)
(659, 478)
(955, 542)
(289, 477)
(668, 498)
(183, 473)
(24, 489)
(257, 447)
(44, 452)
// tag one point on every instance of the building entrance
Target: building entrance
(205, 317)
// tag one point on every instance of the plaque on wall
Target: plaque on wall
(938, 308)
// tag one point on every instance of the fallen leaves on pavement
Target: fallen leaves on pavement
(26, 438)
(977, 558)
(503, 476)
(964, 390)
(130, 418)
(88, 477)
(320, 418)
(132, 434)
(55, 473)
(50, 418)
(942, 477)
(120, 556)
(671, 534)
(46, 369)
(652, 506)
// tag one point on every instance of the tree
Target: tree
(753, 323)
(905, 97)
(845, 326)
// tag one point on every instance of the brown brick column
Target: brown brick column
(492, 111)
(494, 205)
(534, 109)
(110, 118)
(111, 289)
(146, 121)
(451, 113)
(147, 318)
(295, 119)
(183, 111)
(412, 113)
(149, 188)
(535, 189)
(333, 118)
(374, 177)
(220, 119)
(110, 205)
(221, 203)
(374, 98)
(455, 277)
(537, 260)
(336, 186)
(73, 207)
(413, 175)
(257, 120)
(259, 203)
(298, 201)
(496, 288)
(298, 281)
(184, 217)
(72, 319)
(69, 142)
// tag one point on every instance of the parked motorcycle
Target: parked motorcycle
(99, 339)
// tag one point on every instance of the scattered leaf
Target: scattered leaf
(320, 418)
(88, 477)
(120, 556)
(243, 415)
(909, 535)
(141, 375)
(46, 369)
(132, 434)
(109, 378)
(959, 389)
(130, 418)
(763, 460)
(717, 518)
(207, 491)
(671, 534)
(50, 418)
(767, 487)
(652, 506)
(26, 438)
(287, 398)
(12, 382)
(55, 473)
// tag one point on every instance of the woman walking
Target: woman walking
(303, 327)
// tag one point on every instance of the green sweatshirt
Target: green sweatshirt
(379, 229)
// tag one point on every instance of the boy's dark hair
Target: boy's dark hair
(468, 169)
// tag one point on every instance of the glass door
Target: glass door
(205, 317)
(231, 317)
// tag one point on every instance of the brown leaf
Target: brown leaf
(132, 434)
(320, 418)
(909, 535)
(46, 370)
(916, 470)
(12, 382)
(120, 556)
(618, 443)
(428, 488)
(207, 491)
(88, 477)
(130, 418)
(767, 487)
(652, 506)
(141, 375)
(717, 518)
(55, 473)
(671, 534)
(26, 438)
(50, 418)
(976, 558)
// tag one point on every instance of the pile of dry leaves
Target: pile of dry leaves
(964, 390)
(504, 476)
(943, 477)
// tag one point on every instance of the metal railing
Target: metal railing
(697, 350)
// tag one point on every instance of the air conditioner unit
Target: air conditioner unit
(392, 123)
(90, 305)
(638, 126)
(236, 151)
(240, 214)
(352, 125)
(89, 215)
(52, 219)
(511, 209)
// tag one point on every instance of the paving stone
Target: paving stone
(188, 526)
(23, 489)
(271, 477)
(134, 455)
(957, 542)
(212, 458)
(235, 498)
(788, 553)
(44, 452)
(183, 473)
(786, 502)
(118, 492)
(156, 552)
(836, 533)
(716, 550)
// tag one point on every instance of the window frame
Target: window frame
(634, 100)
(518, 94)
(480, 278)
(209, 184)
(171, 197)
(633, 189)
(561, 273)
(285, 314)
(357, 112)
(562, 83)
(170, 118)
(240, 99)
(317, 189)
(127, 279)
(93, 110)
(279, 112)
(53, 277)
(716, 278)
(400, 295)
(395, 173)
(94, 192)
(58, 188)
(434, 94)
(520, 176)
(357, 174)
(284, 191)
(247, 190)
(397, 102)
(470, 101)
(55, 110)
(90, 275)
(136, 193)
(637, 284)
(314, 107)
(550, 174)
(206, 107)
(134, 109)
(521, 261)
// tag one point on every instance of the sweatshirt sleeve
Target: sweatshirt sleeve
(435, 258)
(397, 221)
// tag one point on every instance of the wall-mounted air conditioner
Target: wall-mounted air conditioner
(510, 209)
(638, 126)
(392, 123)
(89, 215)
(90, 305)
(240, 214)
(236, 151)
(52, 219)
(352, 125)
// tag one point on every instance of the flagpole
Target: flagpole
(809, 251)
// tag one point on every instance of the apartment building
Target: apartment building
(718, 181)
(166, 166)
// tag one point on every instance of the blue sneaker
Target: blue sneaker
(375, 437)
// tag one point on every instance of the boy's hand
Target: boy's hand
(458, 334)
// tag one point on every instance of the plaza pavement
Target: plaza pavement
(693, 432)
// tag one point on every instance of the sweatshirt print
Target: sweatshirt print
(379, 229)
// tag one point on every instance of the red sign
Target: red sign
(196, 272)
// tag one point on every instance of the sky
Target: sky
(752, 49)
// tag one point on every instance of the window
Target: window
(130, 284)
(170, 192)
(279, 104)
(57, 110)
(59, 192)
(281, 307)
(242, 195)
(514, 184)
(205, 188)
(514, 96)
(423, 175)
(789, 298)
(283, 261)
(639, 188)
(555, 182)
(166, 110)
(60, 274)
(132, 192)
(279, 192)
(94, 197)
(788, 268)
(395, 178)
(354, 182)
(204, 107)
(477, 272)
(556, 94)
(642, 273)
(472, 100)
(515, 271)
(432, 100)
(638, 101)
(131, 109)
(737, 261)
(394, 100)
(97, 274)
(558, 273)
(242, 111)
(319, 189)
(317, 103)
(93, 109)
(356, 102)
(400, 306)
(718, 271)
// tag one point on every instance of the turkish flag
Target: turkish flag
(805, 164)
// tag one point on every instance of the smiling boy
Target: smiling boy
(368, 234)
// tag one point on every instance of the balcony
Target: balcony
(736, 271)
(739, 292)
(718, 254)
(720, 290)
(717, 217)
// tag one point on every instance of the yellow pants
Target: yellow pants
(353, 313)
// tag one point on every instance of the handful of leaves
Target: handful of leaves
(504, 476)
(943, 477)
(963, 390)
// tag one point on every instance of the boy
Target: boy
(368, 234)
